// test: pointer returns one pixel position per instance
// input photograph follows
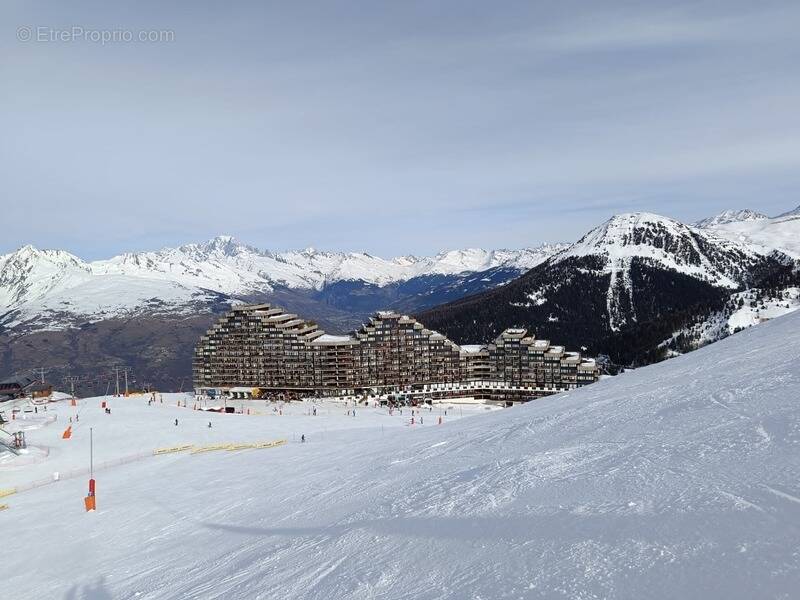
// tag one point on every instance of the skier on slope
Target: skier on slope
(303, 439)
(209, 424)
(176, 422)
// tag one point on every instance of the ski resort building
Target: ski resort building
(278, 354)
(19, 386)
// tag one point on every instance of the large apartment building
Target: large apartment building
(262, 346)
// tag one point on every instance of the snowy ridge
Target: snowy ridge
(781, 233)
(31, 273)
(795, 212)
(46, 288)
(42, 288)
(657, 241)
(730, 216)
(663, 241)
(228, 266)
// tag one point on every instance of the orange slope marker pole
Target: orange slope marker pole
(90, 502)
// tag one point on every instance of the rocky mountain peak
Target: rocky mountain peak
(223, 245)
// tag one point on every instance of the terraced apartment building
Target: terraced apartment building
(261, 346)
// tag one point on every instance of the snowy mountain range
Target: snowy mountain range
(664, 242)
(52, 289)
(635, 286)
(228, 266)
(730, 216)
(756, 230)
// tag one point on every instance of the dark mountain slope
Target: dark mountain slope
(621, 290)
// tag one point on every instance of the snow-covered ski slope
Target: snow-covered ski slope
(135, 429)
(678, 480)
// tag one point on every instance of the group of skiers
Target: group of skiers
(302, 437)
(415, 413)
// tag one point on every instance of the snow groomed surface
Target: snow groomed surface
(678, 480)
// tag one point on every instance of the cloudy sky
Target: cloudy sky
(390, 127)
